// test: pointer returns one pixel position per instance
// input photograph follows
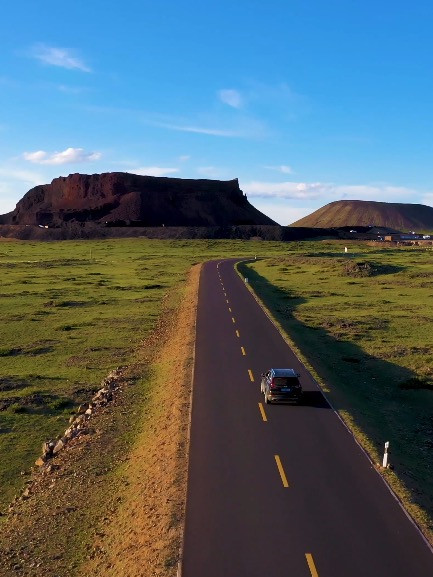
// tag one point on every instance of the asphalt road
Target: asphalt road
(278, 490)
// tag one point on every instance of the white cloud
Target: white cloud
(55, 56)
(70, 155)
(329, 192)
(281, 212)
(153, 171)
(184, 157)
(293, 190)
(427, 199)
(231, 97)
(281, 168)
(14, 183)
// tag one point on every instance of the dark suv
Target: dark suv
(281, 385)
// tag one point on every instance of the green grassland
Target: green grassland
(363, 320)
(70, 312)
(73, 310)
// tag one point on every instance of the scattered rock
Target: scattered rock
(59, 446)
(77, 425)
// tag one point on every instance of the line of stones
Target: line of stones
(78, 425)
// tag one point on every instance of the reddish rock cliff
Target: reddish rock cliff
(123, 198)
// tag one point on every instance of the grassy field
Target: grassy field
(71, 311)
(363, 320)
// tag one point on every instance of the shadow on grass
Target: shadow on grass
(315, 399)
(367, 387)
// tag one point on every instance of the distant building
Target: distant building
(400, 237)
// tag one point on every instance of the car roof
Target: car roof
(284, 372)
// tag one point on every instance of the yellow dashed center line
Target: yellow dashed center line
(230, 310)
(262, 411)
(227, 301)
(250, 372)
(237, 334)
(281, 471)
(243, 351)
(233, 319)
(311, 565)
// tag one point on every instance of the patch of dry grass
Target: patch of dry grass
(144, 535)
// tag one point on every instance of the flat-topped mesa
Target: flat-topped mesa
(131, 199)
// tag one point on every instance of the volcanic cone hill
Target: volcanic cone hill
(353, 213)
(119, 198)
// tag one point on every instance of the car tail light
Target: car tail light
(273, 385)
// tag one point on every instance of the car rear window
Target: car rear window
(285, 381)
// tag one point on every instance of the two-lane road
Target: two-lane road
(278, 490)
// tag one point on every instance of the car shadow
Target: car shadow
(315, 399)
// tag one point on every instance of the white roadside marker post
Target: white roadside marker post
(385, 463)
(246, 280)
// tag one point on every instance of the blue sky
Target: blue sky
(304, 102)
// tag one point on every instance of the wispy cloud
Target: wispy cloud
(281, 168)
(329, 191)
(71, 89)
(153, 171)
(14, 183)
(208, 171)
(17, 175)
(289, 190)
(231, 97)
(200, 129)
(56, 56)
(7, 82)
(380, 192)
(68, 156)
